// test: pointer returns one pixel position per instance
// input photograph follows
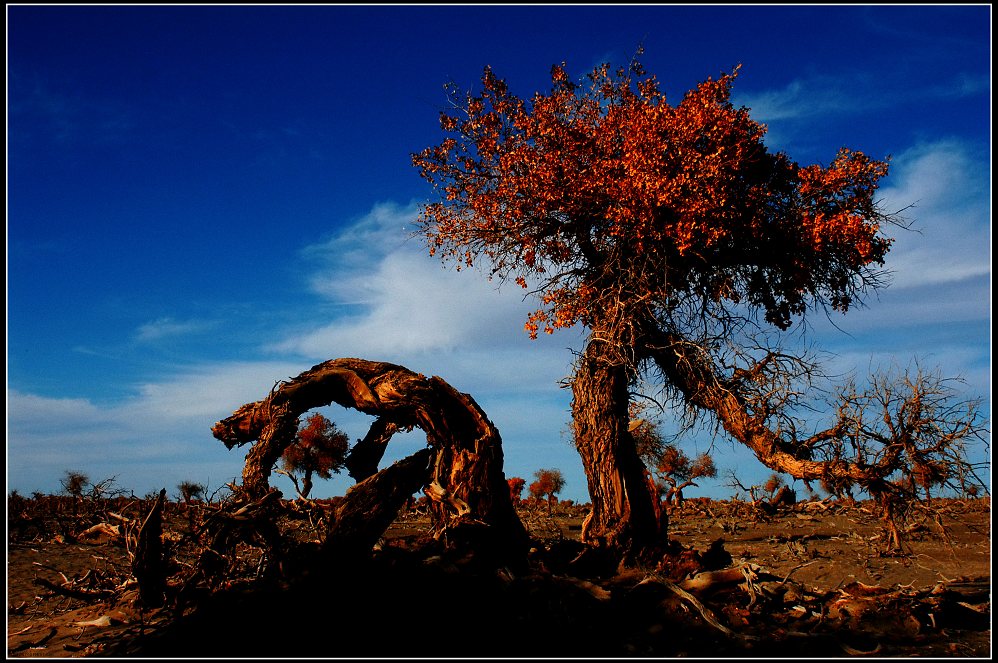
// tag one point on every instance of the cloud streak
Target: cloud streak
(404, 302)
(160, 434)
(168, 327)
(946, 188)
(816, 97)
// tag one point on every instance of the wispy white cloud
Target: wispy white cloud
(405, 302)
(937, 306)
(155, 438)
(168, 327)
(962, 85)
(48, 436)
(409, 309)
(809, 99)
(29, 410)
(209, 392)
(406, 308)
(804, 99)
(946, 187)
(412, 305)
(387, 228)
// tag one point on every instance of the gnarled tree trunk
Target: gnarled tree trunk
(462, 473)
(363, 459)
(373, 503)
(623, 515)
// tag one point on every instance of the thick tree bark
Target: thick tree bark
(623, 514)
(274, 437)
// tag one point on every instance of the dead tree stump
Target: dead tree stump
(148, 564)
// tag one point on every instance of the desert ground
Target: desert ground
(804, 580)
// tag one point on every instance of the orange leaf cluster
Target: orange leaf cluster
(603, 186)
(320, 447)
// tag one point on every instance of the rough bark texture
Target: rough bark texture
(464, 474)
(623, 514)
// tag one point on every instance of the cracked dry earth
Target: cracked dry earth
(809, 580)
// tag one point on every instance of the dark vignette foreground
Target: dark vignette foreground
(414, 598)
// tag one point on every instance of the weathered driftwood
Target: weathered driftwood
(706, 580)
(695, 603)
(462, 471)
(100, 531)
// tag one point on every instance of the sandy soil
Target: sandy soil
(815, 584)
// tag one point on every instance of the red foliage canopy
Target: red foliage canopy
(516, 485)
(548, 483)
(610, 196)
(319, 448)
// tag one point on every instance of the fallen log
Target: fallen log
(695, 603)
(100, 531)
(707, 580)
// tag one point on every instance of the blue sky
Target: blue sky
(204, 200)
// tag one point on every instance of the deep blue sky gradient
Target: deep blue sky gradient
(173, 171)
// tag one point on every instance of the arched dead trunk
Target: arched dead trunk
(462, 471)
